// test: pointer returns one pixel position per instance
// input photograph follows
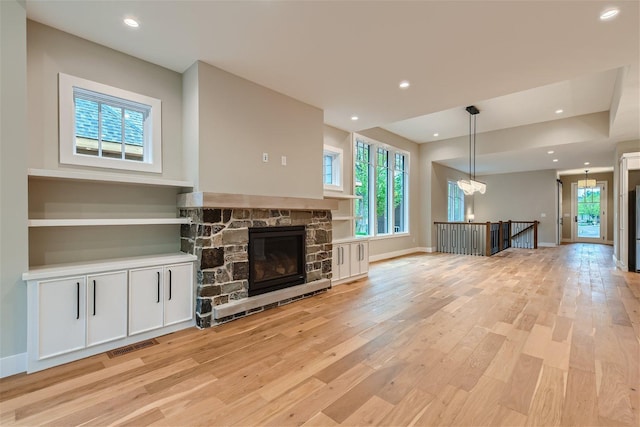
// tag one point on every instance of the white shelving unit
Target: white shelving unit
(73, 205)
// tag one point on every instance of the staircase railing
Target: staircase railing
(485, 238)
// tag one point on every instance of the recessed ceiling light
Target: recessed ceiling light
(587, 163)
(555, 160)
(550, 152)
(609, 14)
(131, 22)
(404, 84)
(436, 134)
(354, 118)
(559, 111)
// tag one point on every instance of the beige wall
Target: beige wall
(238, 121)
(523, 196)
(50, 51)
(13, 181)
(567, 181)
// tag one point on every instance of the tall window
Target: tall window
(103, 126)
(363, 168)
(400, 180)
(381, 182)
(455, 203)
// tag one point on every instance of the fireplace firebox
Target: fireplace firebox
(276, 258)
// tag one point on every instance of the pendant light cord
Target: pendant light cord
(474, 147)
(469, 147)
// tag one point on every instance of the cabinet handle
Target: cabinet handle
(77, 300)
(158, 300)
(359, 251)
(169, 285)
(94, 297)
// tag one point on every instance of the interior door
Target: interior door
(559, 220)
(589, 210)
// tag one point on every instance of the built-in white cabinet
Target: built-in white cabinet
(78, 310)
(160, 296)
(341, 262)
(350, 260)
(359, 258)
(61, 316)
(178, 291)
(106, 313)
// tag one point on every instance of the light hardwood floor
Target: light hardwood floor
(524, 338)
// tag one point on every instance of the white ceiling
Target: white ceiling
(518, 61)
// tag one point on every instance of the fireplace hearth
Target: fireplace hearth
(276, 258)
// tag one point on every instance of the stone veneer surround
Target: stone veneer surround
(219, 237)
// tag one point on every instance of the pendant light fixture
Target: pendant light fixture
(586, 182)
(471, 186)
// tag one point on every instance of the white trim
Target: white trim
(394, 254)
(12, 365)
(603, 217)
(547, 245)
(428, 250)
(399, 234)
(67, 137)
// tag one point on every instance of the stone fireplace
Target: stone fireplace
(220, 234)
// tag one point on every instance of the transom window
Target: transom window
(102, 126)
(381, 182)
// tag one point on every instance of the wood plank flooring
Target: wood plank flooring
(544, 337)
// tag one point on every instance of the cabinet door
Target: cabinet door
(345, 267)
(106, 307)
(178, 293)
(359, 258)
(145, 299)
(61, 316)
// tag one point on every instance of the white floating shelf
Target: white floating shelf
(104, 177)
(105, 221)
(340, 196)
(343, 218)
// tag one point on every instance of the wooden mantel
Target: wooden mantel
(224, 200)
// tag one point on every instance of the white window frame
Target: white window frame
(392, 150)
(152, 160)
(336, 173)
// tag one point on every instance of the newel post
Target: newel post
(487, 243)
(535, 234)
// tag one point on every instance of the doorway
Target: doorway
(589, 212)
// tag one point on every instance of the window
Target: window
(332, 168)
(381, 182)
(455, 203)
(103, 126)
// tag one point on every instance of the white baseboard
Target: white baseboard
(12, 365)
(427, 250)
(547, 245)
(394, 254)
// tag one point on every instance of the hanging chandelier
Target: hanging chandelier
(471, 186)
(586, 182)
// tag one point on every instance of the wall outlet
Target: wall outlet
(265, 157)
(284, 160)
(543, 215)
